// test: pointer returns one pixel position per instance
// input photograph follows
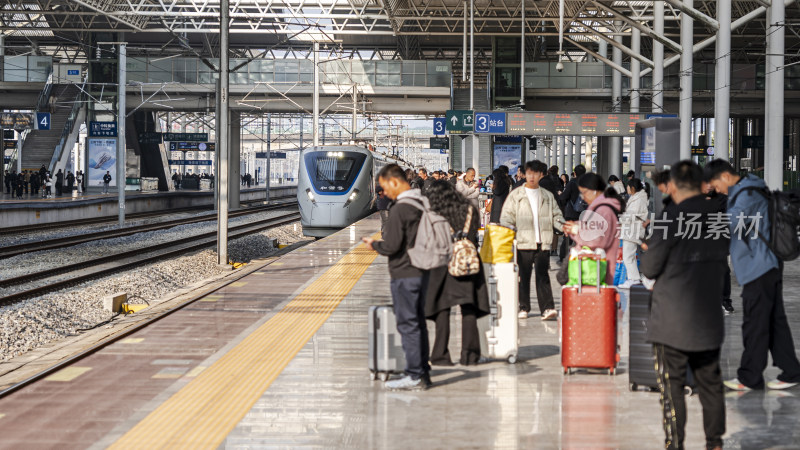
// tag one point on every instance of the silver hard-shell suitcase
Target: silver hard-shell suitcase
(385, 346)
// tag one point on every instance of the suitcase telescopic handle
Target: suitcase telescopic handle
(580, 274)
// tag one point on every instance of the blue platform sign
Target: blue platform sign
(102, 129)
(73, 72)
(42, 121)
(490, 123)
(438, 126)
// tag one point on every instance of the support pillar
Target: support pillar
(658, 59)
(571, 140)
(562, 152)
(315, 112)
(614, 148)
(269, 153)
(121, 160)
(234, 159)
(224, 144)
(687, 67)
(722, 82)
(587, 163)
(773, 136)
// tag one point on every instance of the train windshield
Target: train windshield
(334, 172)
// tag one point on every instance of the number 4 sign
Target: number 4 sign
(42, 121)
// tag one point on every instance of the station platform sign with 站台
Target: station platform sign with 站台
(490, 123)
(458, 121)
(188, 137)
(528, 123)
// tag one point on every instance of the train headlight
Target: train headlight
(351, 198)
(310, 195)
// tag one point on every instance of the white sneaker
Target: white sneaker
(523, 314)
(550, 314)
(778, 384)
(735, 385)
(628, 283)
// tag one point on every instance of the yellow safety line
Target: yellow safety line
(205, 411)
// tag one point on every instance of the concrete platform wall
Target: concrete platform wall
(16, 214)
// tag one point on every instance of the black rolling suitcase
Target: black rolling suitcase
(641, 361)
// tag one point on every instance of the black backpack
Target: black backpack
(784, 221)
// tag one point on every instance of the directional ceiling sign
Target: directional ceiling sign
(459, 121)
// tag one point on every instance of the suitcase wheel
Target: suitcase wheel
(512, 359)
(634, 386)
(384, 376)
(372, 375)
(611, 372)
(567, 371)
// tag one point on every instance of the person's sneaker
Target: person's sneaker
(523, 314)
(780, 385)
(407, 384)
(735, 385)
(628, 283)
(727, 305)
(550, 314)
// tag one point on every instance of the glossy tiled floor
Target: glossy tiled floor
(324, 398)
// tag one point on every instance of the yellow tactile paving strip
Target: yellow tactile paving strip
(202, 414)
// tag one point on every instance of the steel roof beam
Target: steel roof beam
(636, 24)
(608, 62)
(694, 14)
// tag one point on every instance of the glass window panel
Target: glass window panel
(408, 79)
(159, 76)
(15, 68)
(306, 66)
(537, 82)
(382, 79)
(307, 77)
(590, 83)
(439, 74)
(590, 69)
(569, 70)
(563, 82)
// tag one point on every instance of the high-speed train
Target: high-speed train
(336, 186)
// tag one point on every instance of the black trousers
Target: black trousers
(527, 260)
(726, 288)
(766, 329)
(408, 298)
(470, 340)
(671, 366)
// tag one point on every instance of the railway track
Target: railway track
(132, 216)
(116, 263)
(56, 243)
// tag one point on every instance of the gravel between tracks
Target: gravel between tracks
(32, 323)
(47, 259)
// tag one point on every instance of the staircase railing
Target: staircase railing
(44, 97)
(77, 104)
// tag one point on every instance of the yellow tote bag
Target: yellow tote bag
(498, 244)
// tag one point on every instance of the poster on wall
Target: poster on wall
(509, 155)
(102, 159)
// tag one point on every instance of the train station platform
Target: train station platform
(34, 210)
(278, 359)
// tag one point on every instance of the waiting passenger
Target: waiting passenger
(686, 325)
(59, 182)
(604, 207)
(468, 187)
(632, 229)
(573, 206)
(501, 186)
(408, 284)
(106, 181)
(720, 202)
(618, 186)
(446, 291)
(765, 328)
(534, 213)
(383, 203)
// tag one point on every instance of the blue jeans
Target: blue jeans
(408, 297)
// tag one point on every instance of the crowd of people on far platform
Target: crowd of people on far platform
(682, 256)
(42, 183)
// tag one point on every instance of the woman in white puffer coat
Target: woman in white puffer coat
(632, 228)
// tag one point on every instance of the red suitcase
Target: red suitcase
(589, 316)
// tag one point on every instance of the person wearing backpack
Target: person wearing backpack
(765, 327)
(573, 207)
(408, 283)
(446, 291)
(534, 212)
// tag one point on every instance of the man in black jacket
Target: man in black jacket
(570, 197)
(408, 283)
(687, 258)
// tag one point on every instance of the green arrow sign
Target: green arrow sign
(458, 121)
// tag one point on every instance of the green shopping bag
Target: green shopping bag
(588, 261)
